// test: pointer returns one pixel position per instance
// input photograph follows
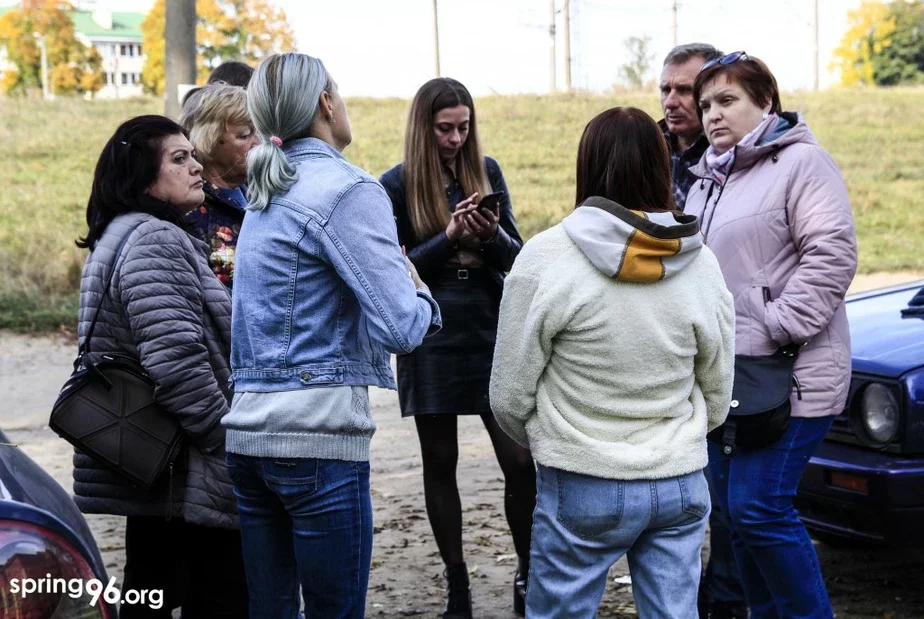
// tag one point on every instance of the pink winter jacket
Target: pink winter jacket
(783, 233)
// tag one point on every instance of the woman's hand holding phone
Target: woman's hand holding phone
(482, 221)
(456, 227)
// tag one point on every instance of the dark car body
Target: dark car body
(856, 487)
(43, 535)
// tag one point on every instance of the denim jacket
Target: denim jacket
(321, 291)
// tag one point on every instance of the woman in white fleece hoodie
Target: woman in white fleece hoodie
(614, 358)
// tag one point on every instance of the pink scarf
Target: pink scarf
(719, 166)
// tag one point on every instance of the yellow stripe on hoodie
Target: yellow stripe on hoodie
(644, 253)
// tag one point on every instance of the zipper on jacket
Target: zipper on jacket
(767, 298)
(795, 381)
(170, 493)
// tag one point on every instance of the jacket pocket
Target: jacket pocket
(760, 343)
(589, 506)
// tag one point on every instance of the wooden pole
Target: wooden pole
(552, 81)
(674, 23)
(180, 52)
(567, 26)
(436, 38)
(816, 65)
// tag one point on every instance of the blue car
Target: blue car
(50, 566)
(866, 482)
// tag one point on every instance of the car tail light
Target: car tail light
(33, 554)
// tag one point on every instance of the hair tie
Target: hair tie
(276, 140)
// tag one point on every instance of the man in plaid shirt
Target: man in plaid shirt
(681, 124)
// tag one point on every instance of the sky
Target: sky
(385, 48)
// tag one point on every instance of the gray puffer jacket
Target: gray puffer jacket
(167, 310)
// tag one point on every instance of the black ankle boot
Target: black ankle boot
(519, 588)
(458, 594)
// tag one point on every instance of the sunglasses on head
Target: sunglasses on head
(727, 59)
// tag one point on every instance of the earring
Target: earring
(330, 119)
(766, 114)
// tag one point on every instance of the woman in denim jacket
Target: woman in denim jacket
(462, 253)
(322, 295)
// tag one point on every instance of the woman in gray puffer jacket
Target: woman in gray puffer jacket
(165, 309)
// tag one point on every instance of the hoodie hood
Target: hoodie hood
(633, 246)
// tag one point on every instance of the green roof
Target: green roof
(123, 24)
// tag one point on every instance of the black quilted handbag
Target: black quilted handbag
(108, 411)
(760, 405)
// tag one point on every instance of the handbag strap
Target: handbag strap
(85, 346)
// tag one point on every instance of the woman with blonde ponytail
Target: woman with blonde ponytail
(461, 252)
(322, 295)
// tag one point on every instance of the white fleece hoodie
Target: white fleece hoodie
(615, 348)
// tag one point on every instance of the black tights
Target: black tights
(439, 447)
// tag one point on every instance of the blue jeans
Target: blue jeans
(777, 562)
(721, 582)
(308, 522)
(583, 525)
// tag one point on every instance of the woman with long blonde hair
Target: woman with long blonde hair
(461, 249)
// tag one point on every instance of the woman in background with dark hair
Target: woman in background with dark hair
(166, 310)
(233, 73)
(614, 356)
(461, 252)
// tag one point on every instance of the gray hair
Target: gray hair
(683, 53)
(209, 113)
(283, 101)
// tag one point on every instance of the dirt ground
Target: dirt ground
(406, 576)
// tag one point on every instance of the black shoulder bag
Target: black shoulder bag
(760, 407)
(108, 411)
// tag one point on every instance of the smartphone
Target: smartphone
(490, 202)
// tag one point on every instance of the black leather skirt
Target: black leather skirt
(449, 373)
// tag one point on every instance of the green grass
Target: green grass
(49, 150)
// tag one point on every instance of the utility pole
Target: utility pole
(674, 22)
(567, 26)
(180, 57)
(40, 39)
(436, 38)
(552, 81)
(815, 66)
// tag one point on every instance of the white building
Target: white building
(117, 38)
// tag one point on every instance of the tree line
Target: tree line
(883, 45)
(245, 30)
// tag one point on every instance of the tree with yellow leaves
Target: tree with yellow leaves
(73, 68)
(869, 27)
(245, 30)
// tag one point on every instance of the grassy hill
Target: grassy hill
(49, 150)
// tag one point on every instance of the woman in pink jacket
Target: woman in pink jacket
(774, 209)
